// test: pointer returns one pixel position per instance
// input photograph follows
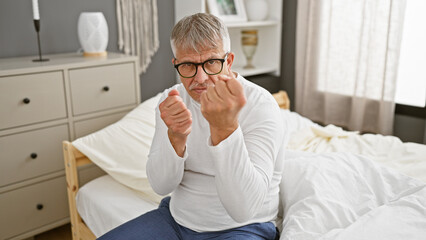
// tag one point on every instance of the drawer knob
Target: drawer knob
(26, 100)
(106, 88)
(39, 206)
(33, 155)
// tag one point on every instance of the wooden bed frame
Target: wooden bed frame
(74, 158)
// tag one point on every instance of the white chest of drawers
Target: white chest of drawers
(42, 104)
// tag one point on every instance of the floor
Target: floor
(59, 233)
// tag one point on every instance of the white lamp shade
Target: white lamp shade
(93, 32)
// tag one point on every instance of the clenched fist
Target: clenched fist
(220, 106)
(178, 120)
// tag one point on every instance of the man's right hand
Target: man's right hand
(178, 120)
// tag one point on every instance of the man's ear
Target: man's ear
(230, 59)
(173, 61)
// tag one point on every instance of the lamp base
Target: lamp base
(41, 60)
(95, 54)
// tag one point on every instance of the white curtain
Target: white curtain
(347, 55)
(137, 22)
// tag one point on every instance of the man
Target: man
(217, 148)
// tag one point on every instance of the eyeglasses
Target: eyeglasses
(211, 67)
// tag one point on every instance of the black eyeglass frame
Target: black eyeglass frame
(222, 60)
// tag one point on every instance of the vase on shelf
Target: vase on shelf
(93, 33)
(249, 45)
(257, 10)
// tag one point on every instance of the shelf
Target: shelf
(250, 24)
(254, 71)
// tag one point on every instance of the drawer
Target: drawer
(31, 98)
(82, 128)
(18, 164)
(100, 88)
(33, 206)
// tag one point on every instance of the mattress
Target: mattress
(104, 204)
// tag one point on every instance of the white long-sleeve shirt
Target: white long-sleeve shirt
(229, 185)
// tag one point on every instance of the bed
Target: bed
(336, 184)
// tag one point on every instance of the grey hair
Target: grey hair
(199, 32)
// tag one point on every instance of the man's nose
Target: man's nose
(201, 76)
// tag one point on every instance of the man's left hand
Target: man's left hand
(220, 105)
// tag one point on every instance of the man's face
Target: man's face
(198, 83)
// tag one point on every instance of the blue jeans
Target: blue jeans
(159, 224)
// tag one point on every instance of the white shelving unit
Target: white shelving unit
(267, 58)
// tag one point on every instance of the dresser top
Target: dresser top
(22, 65)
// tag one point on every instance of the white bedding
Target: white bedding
(325, 196)
(408, 158)
(346, 196)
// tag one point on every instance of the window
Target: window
(411, 78)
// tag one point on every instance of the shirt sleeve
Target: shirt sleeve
(164, 167)
(245, 161)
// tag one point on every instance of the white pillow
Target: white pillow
(122, 149)
(324, 194)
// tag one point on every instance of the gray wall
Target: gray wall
(424, 137)
(409, 128)
(59, 34)
(289, 48)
